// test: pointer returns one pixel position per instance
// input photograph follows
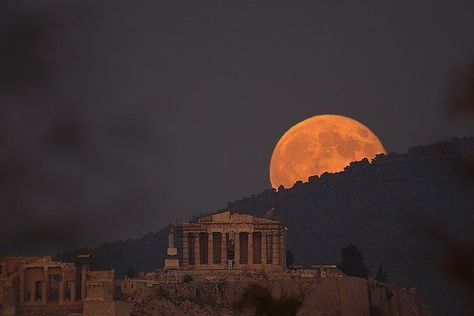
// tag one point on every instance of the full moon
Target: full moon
(322, 143)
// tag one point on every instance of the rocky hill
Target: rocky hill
(400, 210)
(347, 296)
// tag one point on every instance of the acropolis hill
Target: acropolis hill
(211, 264)
(220, 255)
(378, 206)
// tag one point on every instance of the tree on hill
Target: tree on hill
(290, 259)
(381, 275)
(352, 263)
(130, 273)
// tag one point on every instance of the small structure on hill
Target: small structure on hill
(228, 240)
(171, 261)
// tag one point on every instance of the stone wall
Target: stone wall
(51, 309)
(8, 296)
(338, 296)
(107, 308)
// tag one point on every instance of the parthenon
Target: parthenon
(228, 240)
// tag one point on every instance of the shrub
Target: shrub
(163, 292)
(259, 298)
(353, 262)
(187, 278)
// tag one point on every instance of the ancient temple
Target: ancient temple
(228, 240)
(41, 286)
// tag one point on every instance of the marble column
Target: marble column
(210, 249)
(32, 291)
(61, 293)
(44, 287)
(83, 283)
(197, 250)
(275, 248)
(264, 248)
(61, 287)
(237, 249)
(73, 291)
(250, 248)
(224, 249)
(22, 285)
(283, 248)
(185, 249)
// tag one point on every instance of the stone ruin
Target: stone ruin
(209, 263)
(226, 241)
(41, 286)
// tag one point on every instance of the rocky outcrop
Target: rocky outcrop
(344, 296)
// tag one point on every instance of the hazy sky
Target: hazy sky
(111, 108)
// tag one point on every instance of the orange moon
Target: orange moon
(322, 143)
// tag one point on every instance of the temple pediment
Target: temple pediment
(228, 217)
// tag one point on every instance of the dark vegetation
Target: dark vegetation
(130, 273)
(290, 259)
(187, 278)
(386, 208)
(381, 275)
(352, 263)
(458, 254)
(259, 300)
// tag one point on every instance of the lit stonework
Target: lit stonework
(44, 281)
(40, 286)
(171, 261)
(233, 241)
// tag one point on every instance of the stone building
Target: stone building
(44, 280)
(131, 285)
(99, 298)
(41, 286)
(228, 240)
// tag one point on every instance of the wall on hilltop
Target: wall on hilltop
(346, 296)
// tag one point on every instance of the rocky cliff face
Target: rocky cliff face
(345, 296)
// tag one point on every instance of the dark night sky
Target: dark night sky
(110, 107)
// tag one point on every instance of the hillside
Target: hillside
(386, 208)
(347, 296)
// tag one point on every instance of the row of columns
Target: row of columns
(272, 247)
(44, 288)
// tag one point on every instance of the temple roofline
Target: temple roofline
(234, 217)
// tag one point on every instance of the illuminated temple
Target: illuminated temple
(228, 241)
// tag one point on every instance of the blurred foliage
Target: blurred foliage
(457, 267)
(461, 92)
(457, 261)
